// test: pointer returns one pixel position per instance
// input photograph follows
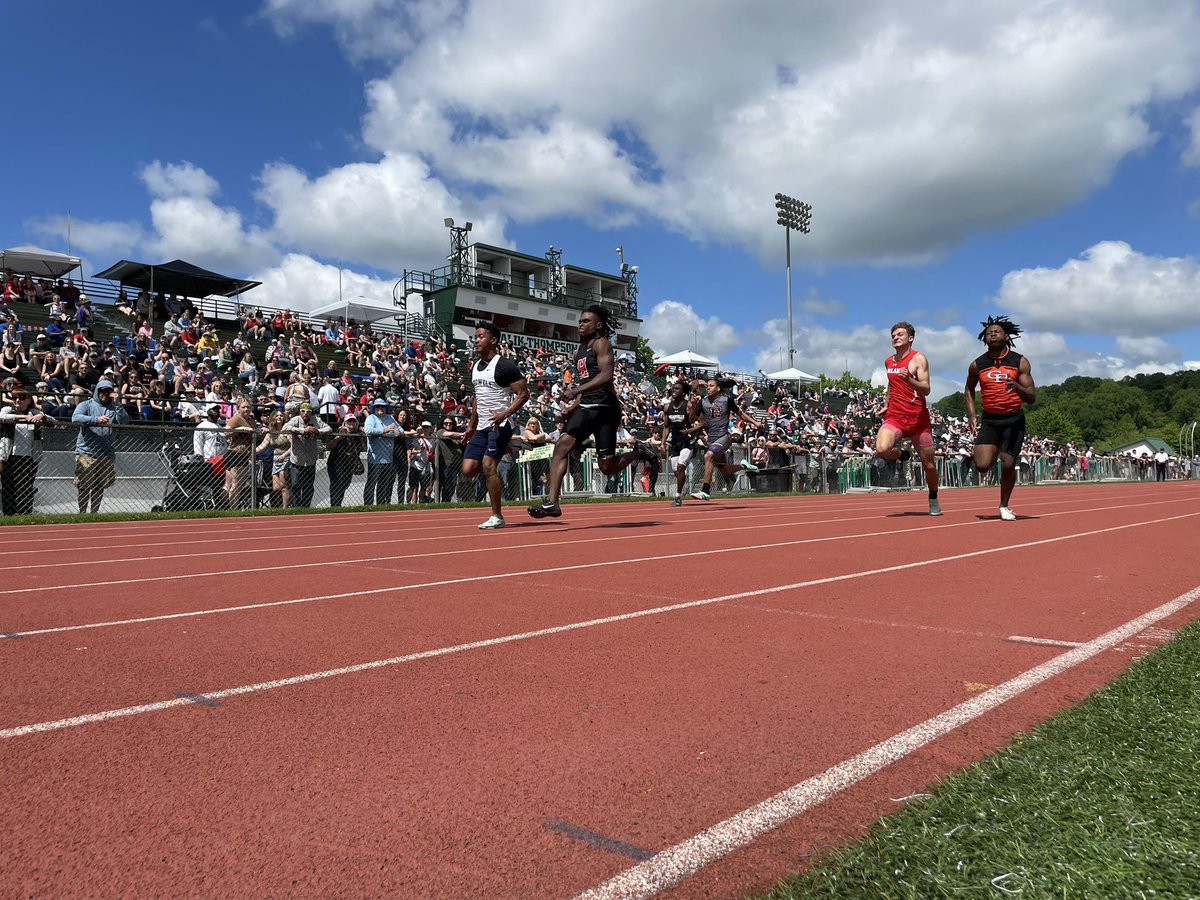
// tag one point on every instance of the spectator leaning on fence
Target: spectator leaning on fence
(344, 461)
(306, 430)
(21, 425)
(209, 440)
(96, 447)
(381, 430)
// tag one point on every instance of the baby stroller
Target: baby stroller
(192, 481)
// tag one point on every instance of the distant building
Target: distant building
(1143, 447)
(535, 301)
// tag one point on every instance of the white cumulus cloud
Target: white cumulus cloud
(673, 326)
(907, 129)
(303, 284)
(387, 214)
(1110, 289)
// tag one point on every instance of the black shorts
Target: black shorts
(1006, 433)
(236, 459)
(600, 422)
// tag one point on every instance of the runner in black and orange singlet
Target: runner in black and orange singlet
(1005, 381)
(907, 415)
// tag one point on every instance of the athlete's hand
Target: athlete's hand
(571, 392)
(971, 426)
(498, 417)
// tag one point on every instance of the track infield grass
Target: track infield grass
(1101, 801)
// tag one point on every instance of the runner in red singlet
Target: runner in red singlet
(907, 415)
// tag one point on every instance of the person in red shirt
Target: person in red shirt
(1005, 381)
(907, 414)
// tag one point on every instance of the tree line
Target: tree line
(1104, 413)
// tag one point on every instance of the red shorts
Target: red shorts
(919, 430)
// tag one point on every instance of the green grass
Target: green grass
(1102, 801)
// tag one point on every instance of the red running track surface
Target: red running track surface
(634, 699)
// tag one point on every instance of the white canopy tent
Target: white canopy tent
(360, 309)
(792, 374)
(687, 358)
(38, 262)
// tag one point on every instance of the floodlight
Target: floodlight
(449, 223)
(467, 226)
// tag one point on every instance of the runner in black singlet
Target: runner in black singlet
(593, 411)
(714, 413)
(679, 434)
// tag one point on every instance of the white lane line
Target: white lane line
(90, 718)
(1045, 642)
(13, 634)
(492, 548)
(666, 869)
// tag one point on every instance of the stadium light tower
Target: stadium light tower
(792, 214)
(629, 276)
(459, 258)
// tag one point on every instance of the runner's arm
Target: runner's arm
(1024, 386)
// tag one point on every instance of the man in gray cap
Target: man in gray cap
(96, 446)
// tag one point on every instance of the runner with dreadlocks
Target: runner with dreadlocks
(1005, 380)
(593, 410)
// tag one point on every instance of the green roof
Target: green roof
(1153, 443)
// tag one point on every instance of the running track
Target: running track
(633, 700)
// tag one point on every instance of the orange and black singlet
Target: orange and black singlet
(995, 375)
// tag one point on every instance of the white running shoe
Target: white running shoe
(935, 508)
(1007, 514)
(700, 495)
(493, 522)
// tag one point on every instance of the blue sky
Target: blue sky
(1037, 160)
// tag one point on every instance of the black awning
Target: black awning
(176, 277)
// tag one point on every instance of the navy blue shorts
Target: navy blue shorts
(488, 442)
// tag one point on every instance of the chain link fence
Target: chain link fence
(180, 468)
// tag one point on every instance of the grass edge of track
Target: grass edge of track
(1098, 801)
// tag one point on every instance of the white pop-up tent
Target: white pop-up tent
(687, 358)
(792, 374)
(360, 309)
(38, 262)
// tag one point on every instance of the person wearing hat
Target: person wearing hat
(96, 445)
(208, 440)
(21, 425)
(381, 430)
(306, 430)
(186, 410)
(420, 464)
(84, 317)
(344, 461)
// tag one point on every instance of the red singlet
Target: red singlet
(906, 409)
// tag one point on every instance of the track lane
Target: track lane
(393, 782)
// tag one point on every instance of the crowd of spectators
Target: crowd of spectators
(171, 365)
